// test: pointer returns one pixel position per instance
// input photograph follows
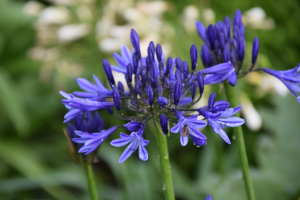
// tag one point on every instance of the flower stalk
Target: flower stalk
(90, 180)
(165, 167)
(238, 132)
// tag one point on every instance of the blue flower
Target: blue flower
(188, 126)
(92, 141)
(290, 78)
(208, 197)
(219, 116)
(220, 46)
(135, 140)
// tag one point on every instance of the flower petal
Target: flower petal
(176, 128)
(232, 121)
(143, 154)
(127, 152)
(121, 142)
(184, 139)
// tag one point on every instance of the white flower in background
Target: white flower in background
(33, 8)
(252, 118)
(54, 15)
(71, 32)
(256, 18)
(209, 15)
(189, 16)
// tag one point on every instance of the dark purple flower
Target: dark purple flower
(150, 94)
(135, 41)
(108, 72)
(205, 55)
(255, 48)
(177, 92)
(164, 123)
(116, 98)
(162, 101)
(200, 82)
(194, 56)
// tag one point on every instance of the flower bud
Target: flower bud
(194, 56)
(153, 75)
(133, 126)
(151, 52)
(149, 92)
(228, 25)
(241, 49)
(162, 101)
(135, 62)
(185, 68)
(116, 97)
(169, 65)
(159, 90)
(121, 86)
(201, 30)
(226, 56)
(200, 82)
(211, 36)
(164, 123)
(108, 72)
(129, 73)
(211, 100)
(205, 55)
(159, 53)
(177, 92)
(167, 82)
(255, 48)
(135, 41)
(193, 90)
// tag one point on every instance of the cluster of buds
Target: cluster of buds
(165, 89)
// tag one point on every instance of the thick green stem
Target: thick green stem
(90, 180)
(164, 161)
(238, 132)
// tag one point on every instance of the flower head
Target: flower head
(221, 47)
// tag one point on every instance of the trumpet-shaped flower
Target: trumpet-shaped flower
(135, 140)
(290, 78)
(188, 126)
(218, 116)
(92, 141)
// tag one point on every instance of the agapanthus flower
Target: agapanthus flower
(290, 78)
(221, 47)
(86, 122)
(134, 140)
(189, 126)
(158, 88)
(219, 116)
(92, 141)
(208, 197)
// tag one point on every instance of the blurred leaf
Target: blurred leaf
(11, 101)
(25, 160)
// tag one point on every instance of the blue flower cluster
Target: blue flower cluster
(167, 88)
(158, 87)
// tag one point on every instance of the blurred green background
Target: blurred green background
(46, 45)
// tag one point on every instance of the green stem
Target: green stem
(165, 167)
(238, 132)
(91, 182)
